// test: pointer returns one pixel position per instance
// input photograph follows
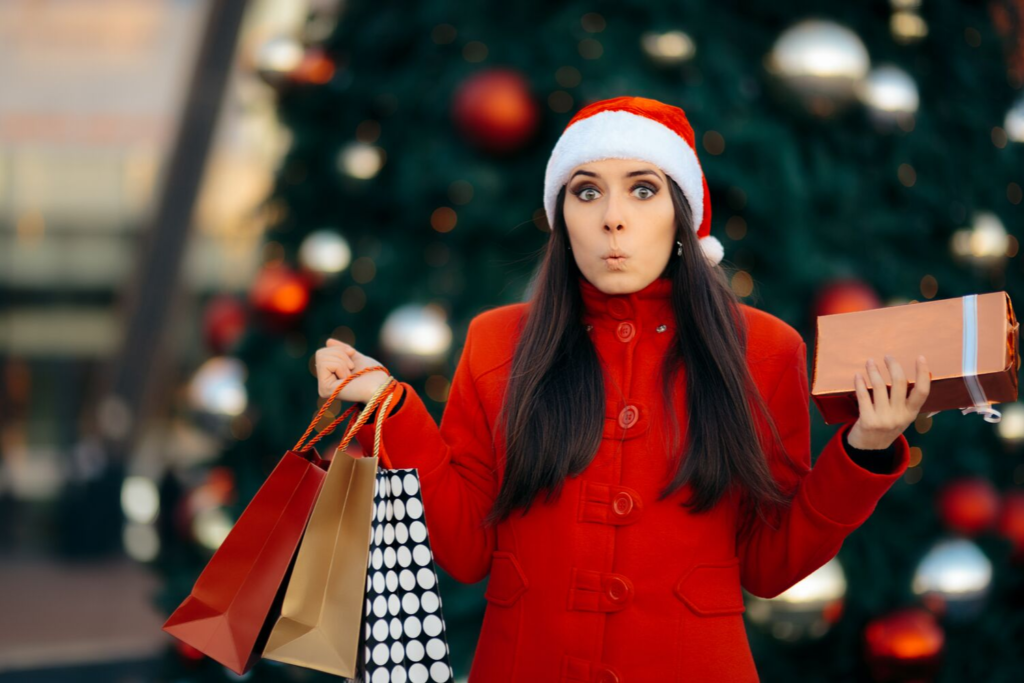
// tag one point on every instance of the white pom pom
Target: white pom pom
(713, 250)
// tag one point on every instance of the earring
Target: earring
(679, 251)
(568, 247)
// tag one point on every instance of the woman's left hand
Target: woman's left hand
(881, 423)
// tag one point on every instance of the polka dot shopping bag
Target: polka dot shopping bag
(363, 599)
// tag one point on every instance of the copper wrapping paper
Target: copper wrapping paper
(934, 329)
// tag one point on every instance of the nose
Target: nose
(613, 217)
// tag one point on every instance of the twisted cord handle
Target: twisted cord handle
(299, 448)
(388, 389)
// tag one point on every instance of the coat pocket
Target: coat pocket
(507, 581)
(712, 588)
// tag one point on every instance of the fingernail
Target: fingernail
(871, 361)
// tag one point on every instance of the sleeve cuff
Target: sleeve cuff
(845, 492)
(879, 461)
(409, 435)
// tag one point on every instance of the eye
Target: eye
(643, 186)
(579, 192)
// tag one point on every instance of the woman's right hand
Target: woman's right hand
(336, 361)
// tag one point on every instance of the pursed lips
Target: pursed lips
(615, 261)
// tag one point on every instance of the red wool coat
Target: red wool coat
(606, 583)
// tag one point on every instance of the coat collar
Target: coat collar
(649, 308)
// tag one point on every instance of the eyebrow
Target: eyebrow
(645, 171)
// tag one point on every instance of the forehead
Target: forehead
(616, 168)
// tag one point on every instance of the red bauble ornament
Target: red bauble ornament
(845, 296)
(217, 490)
(906, 645)
(224, 322)
(1011, 522)
(495, 111)
(316, 68)
(280, 292)
(969, 506)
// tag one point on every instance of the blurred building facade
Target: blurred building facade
(90, 105)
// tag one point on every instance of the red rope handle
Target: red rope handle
(323, 409)
(387, 390)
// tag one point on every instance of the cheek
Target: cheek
(658, 217)
(576, 212)
(665, 216)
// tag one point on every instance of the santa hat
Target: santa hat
(635, 128)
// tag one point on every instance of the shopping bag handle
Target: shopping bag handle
(388, 389)
(299, 448)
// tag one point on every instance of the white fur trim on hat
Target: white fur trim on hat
(624, 135)
(712, 249)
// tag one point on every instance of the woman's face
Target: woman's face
(619, 206)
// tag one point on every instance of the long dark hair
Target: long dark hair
(554, 404)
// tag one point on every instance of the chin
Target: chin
(616, 281)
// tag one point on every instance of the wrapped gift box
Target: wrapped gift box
(970, 344)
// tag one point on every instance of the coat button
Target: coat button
(623, 504)
(625, 331)
(619, 308)
(617, 589)
(606, 676)
(628, 416)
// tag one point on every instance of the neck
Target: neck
(649, 307)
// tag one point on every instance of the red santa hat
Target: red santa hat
(635, 128)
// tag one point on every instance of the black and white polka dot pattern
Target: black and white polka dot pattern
(403, 636)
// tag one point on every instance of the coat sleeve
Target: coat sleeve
(830, 500)
(456, 464)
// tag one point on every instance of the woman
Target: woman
(665, 423)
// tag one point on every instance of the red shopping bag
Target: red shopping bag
(236, 598)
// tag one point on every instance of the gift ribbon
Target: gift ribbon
(969, 363)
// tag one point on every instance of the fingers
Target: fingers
(898, 398)
(332, 343)
(863, 398)
(333, 364)
(922, 386)
(341, 367)
(881, 391)
(334, 359)
(327, 380)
